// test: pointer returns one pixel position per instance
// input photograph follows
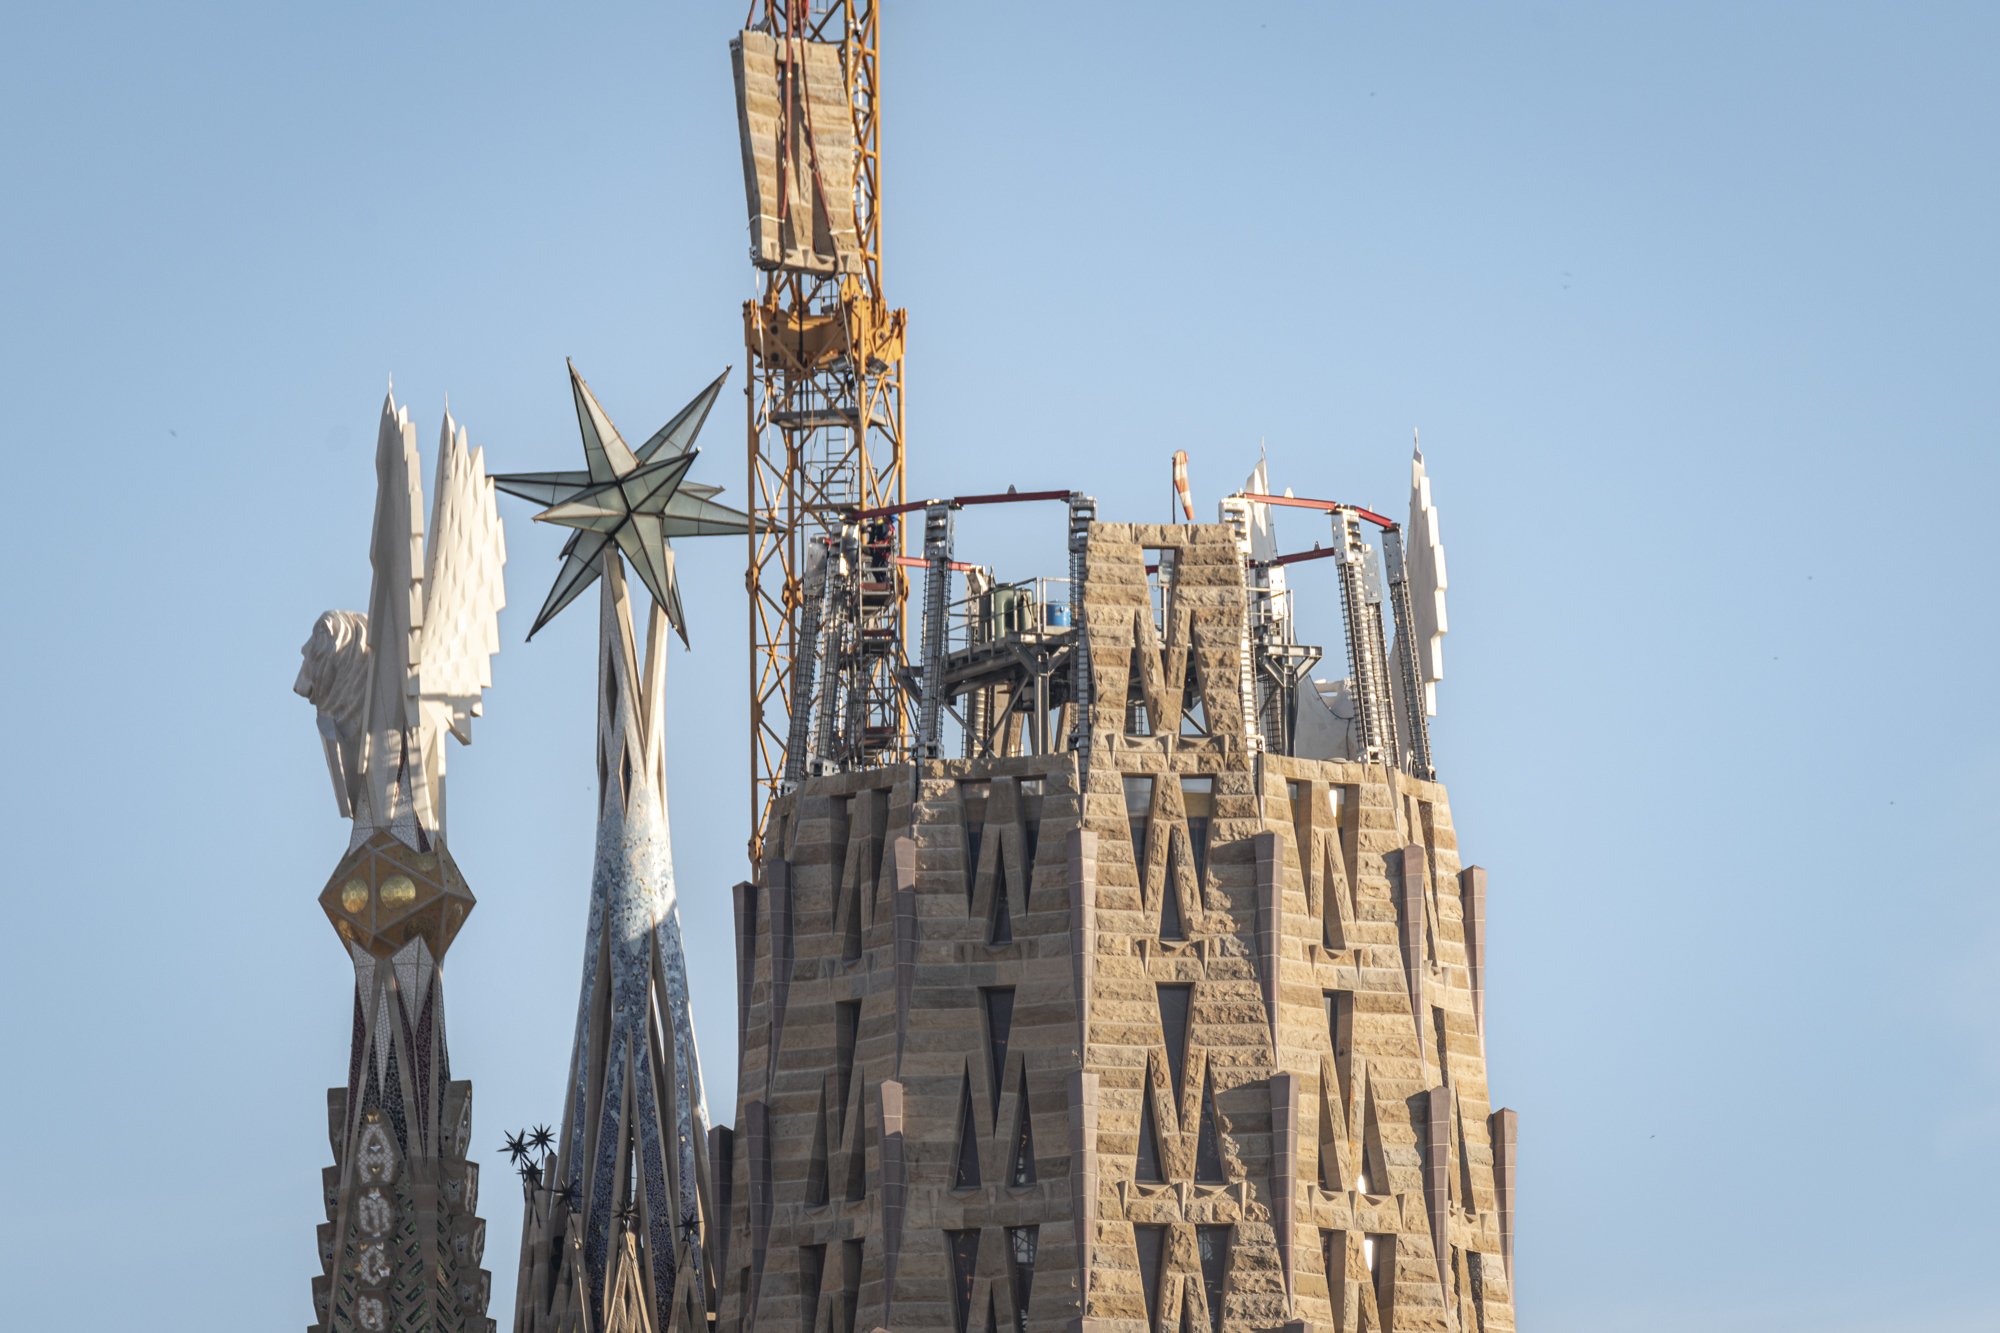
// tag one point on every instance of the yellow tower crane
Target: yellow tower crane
(825, 399)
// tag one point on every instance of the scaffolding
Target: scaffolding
(824, 397)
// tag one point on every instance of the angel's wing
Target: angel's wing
(1425, 562)
(395, 609)
(463, 592)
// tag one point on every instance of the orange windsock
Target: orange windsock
(1181, 484)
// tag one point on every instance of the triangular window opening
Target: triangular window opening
(1331, 1168)
(1211, 1245)
(1138, 718)
(1187, 1310)
(1139, 818)
(972, 799)
(1340, 1037)
(1208, 1143)
(846, 1031)
(1175, 1003)
(1198, 801)
(1172, 925)
(1152, 1246)
(1022, 1242)
(1001, 929)
(1374, 1167)
(1022, 1172)
(1147, 1169)
(1194, 715)
(992, 1312)
(967, 1175)
(964, 1247)
(1333, 892)
(999, 1028)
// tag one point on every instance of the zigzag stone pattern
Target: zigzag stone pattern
(965, 1100)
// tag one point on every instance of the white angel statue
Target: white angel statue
(390, 684)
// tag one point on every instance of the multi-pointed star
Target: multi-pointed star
(516, 1146)
(543, 1138)
(627, 500)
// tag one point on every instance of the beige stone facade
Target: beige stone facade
(1161, 1032)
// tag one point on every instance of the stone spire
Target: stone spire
(612, 1228)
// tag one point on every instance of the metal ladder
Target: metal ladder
(1367, 654)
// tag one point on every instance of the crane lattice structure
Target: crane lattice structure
(825, 392)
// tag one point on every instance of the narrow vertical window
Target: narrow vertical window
(967, 1175)
(963, 1247)
(1298, 797)
(850, 940)
(1331, 1169)
(1031, 829)
(1198, 799)
(1341, 802)
(1212, 1249)
(812, 1272)
(1175, 1002)
(857, 1168)
(999, 1028)
(1146, 1169)
(1379, 1253)
(1208, 1140)
(1138, 719)
(1022, 1172)
(846, 1031)
(1138, 818)
(1340, 1037)
(850, 1284)
(1333, 1249)
(816, 1164)
(1437, 1025)
(972, 799)
(1021, 1245)
(1152, 1245)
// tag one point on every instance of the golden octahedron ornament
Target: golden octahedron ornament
(384, 894)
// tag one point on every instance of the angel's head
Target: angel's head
(334, 676)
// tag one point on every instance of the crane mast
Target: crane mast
(824, 395)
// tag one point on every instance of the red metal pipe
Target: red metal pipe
(1324, 506)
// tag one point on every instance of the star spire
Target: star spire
(627, 501)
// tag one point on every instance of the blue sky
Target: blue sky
(1694, 305)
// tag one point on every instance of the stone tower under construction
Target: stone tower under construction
(1139, 1018)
